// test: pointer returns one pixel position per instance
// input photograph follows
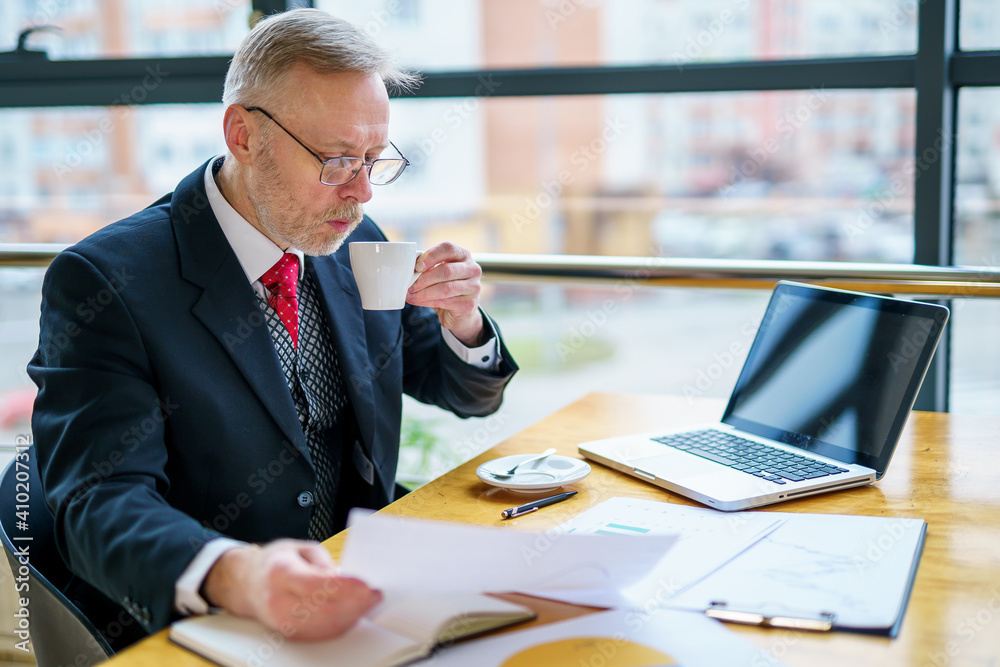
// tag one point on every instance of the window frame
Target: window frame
(936, 72)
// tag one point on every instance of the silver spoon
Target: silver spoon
(501, 475)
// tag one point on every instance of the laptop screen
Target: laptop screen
(835, 372)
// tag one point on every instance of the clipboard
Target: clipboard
(815, 572)
(775, 614)
(817, 622)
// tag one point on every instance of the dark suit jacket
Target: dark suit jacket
(163, 418)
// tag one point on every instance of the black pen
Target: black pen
(531, 507)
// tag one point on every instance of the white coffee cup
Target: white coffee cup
(384, 272)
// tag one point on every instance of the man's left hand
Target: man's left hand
(450, 285)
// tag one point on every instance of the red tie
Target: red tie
(281, 281)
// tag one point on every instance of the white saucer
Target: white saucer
(546, 475)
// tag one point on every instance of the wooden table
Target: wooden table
(946, 471)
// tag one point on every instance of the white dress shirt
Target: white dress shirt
(257, 254)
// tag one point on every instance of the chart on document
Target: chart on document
(706, 539)
(858, 568)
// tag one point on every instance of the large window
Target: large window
(440, 34)
(114, 28)
(65, 173)
(705, 175)
(815, 175)
(570, 340)
(975, 383)
(979, 25)
(805, 144)
(20, 293)
(977, 193)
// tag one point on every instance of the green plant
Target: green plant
(423, 454)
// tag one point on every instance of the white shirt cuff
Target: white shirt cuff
(187, 599)
(486, 356)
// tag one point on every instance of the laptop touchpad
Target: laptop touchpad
(674, 465)
(627, 450)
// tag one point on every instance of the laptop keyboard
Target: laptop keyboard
(770, 463)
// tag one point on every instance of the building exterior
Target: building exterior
(804, 175)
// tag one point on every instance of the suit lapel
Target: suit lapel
(236, 320)
(342, 307)
(228, 306)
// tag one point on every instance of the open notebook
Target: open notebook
(400, 630)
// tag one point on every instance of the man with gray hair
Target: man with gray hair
(229, 400)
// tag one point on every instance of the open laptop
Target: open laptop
(819, 405)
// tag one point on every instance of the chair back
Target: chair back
(59, 633)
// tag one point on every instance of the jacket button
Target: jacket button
(305, 499)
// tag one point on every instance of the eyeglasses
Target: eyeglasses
(342, 170)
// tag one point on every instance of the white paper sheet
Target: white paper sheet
(857, 567)
(399, 553)
(775, 563)
(707, 539)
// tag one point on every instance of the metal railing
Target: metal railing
(911, 279)
(20, 255)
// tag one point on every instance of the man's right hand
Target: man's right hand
(290, 586)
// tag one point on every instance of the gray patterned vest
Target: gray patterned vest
(317, 386)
